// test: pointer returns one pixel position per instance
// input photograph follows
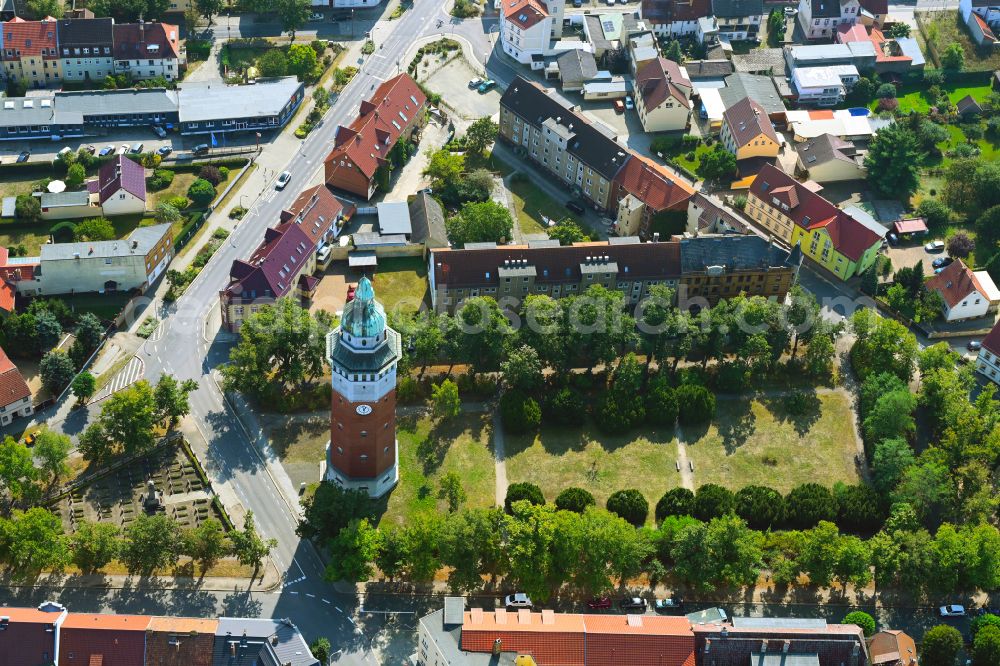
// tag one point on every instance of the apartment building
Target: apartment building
(663, 96)
(820, 19)
(282, 265)
(321, 216)
(527, 28)
(147, 50)
(738, 20)
(747, 131)
(675, 18)
(823, 86)
(771, 641)
(395, 111)
(845, 243)
(713, 268)
(85, 48)
(31, 52)
(641, 191)
(561, 141)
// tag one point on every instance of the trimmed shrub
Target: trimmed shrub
(713, 501)
(862, 619)
(211, 174)
(696, 404)
(565, 407)
(630, 505)
(201, 192)
(575, 499)
(661, 403)
(520, 413)
(808, 504)
(523, 491)
(675, 502)
(760, 506)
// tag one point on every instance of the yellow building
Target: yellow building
(747, 131)
(30, 52)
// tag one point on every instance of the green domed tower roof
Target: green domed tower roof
(364, 317)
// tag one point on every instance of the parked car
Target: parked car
(632, 603)
(106, 150)
(619, 106)
(122, 149)
(599, 602)
(953, 611)
(283, 180)
(23, 157)
(136, 148)
(668, 604)
(791, 11)
(90, 149)
(475, 83)
(159, 131)
(942, 262)
(163, 151)
(974, 345)
(64, 151)
(200, 149)
(486, 85)
(628, 103)
(316, 16)
(32, 438)
(934, 246)
(575, 207)
(517, 600)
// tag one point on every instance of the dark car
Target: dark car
(163, 151)
(23, 157)
(575, 207)
(633, 604)
(974, 345)
(668, 604)
(941, 262)
(200, 148)
(601, 602)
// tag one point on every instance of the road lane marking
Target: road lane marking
(325, 601)
(338, 609)
(311, 596)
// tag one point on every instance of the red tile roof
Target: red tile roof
(987, 32)
(809, 210)
(366, 142)
(910, 225)
(98, 638)
(992, 340)
(660, 79)
(653, 184)
(315, 210)
(13, 388)
(639, 640)
(747, 120)
(956, 283)
(25, 638)
(133, 41)
(271, 269)
(30, 38)
(525, 13)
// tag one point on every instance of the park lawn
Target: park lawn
(401, 283)
(557, 458)
(427, 452)
(756, 442)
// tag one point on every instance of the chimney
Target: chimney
(497, 646)
(788, 644)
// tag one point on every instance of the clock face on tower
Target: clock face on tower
(363, 410)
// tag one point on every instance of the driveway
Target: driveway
(909, 256)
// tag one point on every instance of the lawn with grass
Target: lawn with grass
(759, 442)
(105, 306)
(690, 160)
(33, 235)
(912, 96)
(427, 452)
(401, 283)
(943, 28)
(558, 458)
(16, 182)
(530, 202)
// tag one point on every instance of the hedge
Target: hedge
(187, 232)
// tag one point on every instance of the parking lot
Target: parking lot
(452, 82)
(909, 255)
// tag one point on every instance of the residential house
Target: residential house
(121, 187)
(642, 50)
(967, 294)
(527, 28)
(133, 263)
(210, 108)
(147, 50)
(861, 54)
(823, 86)
(31, 52)
(85, 49)
(282, 265)
(845, 244)
(28, 635)
(767, 641)
(15, 401)
(821, 18)
(988, 361)
(395, 111)
(707, 214)
(643, 190)
(747, 131)
(180, 641)
(427, 221)
(892, 647)
(245, 641)
(663, 96)
(760, 89)
(13, 271)
(509, 273)
(892, 55)
(988, 10)
(321, 216)
(561, 141)
(829, 159)
(675, 18)
(811, 124)
(738, 20)
(608, 33)
(576, 67)
(86, 638)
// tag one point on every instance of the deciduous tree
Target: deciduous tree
(94, 545)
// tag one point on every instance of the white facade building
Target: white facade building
(528, 27)
(987, 10)
(967, 294)
(824, 86)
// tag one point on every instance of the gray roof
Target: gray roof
(758, 88)
(708, 69)
(737, 8)
(732, 253)
(596, 33)
(371, 361)
(144, 239)
(208, 101)
(707, 616)
(260, 642)
(427, 220)
(910, 47)
(110, 102)
(85, 32)
(57, 199)
(454, 610)
(393, 218)
(371, 238)
(576, 66)
(825, 8)
(760, 61)
(449, 640)
(779, 623)
(13, 111)
(779, 659)
(825, 148)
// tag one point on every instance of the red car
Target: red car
(602, 602)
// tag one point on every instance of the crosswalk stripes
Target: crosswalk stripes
(131, 373)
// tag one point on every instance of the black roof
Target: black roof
(825, 8)
(736, 8)
(735, 253)
(588, 144)
(85, 32)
